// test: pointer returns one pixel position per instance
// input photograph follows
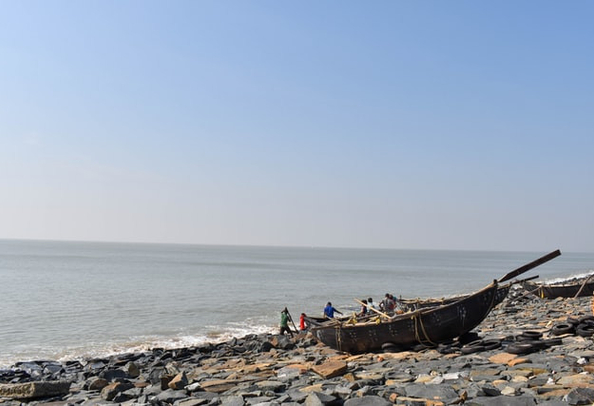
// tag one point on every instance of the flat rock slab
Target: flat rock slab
(34, 390)
(502, 401)
(331, 369)
(368, 401)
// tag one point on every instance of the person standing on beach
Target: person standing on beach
(302, 325)
(284, 324)
(329, 311)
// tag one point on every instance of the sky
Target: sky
(386, 124)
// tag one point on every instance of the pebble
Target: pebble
(518, 361)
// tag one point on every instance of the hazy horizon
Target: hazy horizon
(399, 125)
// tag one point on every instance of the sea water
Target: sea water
(73, 300)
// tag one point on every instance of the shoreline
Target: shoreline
(268, 369)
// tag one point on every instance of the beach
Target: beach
(497, 368)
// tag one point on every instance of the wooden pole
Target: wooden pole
(530, 266)
(292, 322)
(371, 308)
(583, 285)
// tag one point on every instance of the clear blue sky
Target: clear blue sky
(389, 124)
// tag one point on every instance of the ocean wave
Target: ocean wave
(104, 349)
(573, 277)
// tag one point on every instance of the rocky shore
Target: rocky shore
(528, 351)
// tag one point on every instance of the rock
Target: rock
(580, 396)
(110, 391)
(34, 390)
(171, 396)
(331, 369)
(273, 386)
(132, 370)
(452, 376)
(502, 401)
(192, 402)
(444, 393)
(290, 372)
(282, 342)
(502, 358)
(508, 391)
(97, 383)
(232, 401)
(179, 382)
(165, 379)
(517, 361)
(113, 374)
(318, 399)
(368, 401)
(490, 390)
(577, 380)
(419, 401)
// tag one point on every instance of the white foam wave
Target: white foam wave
(214, 335)
(577, 276)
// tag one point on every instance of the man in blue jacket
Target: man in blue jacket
(329, 311)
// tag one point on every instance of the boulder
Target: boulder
(34, 390)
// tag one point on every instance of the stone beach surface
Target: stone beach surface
(527, 351)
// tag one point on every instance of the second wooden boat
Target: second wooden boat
(566, 289)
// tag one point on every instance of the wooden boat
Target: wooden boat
(425, 326)
(565, 289)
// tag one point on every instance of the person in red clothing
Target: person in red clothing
(302, 325)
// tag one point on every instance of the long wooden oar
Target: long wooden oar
(371, 308)
(530, 266)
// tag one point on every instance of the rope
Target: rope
(417, 320)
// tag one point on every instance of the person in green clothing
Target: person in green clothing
(284, 324)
